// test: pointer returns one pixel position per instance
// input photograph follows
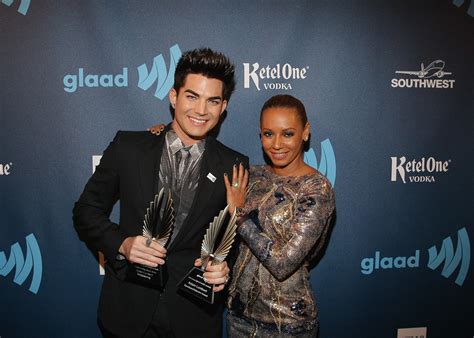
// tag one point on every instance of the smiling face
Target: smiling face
(283, 135)
(197, 107)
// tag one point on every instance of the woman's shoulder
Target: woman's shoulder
(257, 169)
(315, 182)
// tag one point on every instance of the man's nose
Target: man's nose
(200, 107)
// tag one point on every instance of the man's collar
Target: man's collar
(175, 145)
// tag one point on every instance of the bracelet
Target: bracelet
(239, 212)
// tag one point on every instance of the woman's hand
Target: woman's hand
(157, 129)
(236, 190)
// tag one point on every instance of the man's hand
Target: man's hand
(217, 275)
(136, 251)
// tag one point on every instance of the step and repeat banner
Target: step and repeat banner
(388, 86)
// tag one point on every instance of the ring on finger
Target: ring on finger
(235, 185)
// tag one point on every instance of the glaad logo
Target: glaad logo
(452, 260)
(72, 82)
(24, 266)
(327, 165)
(159, 74)
(417, 171)
(146, 79)
(278, 72)
(95, 162)
(23, 8)
(5, 169)
(426, 77)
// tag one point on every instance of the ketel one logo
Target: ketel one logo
(327, 165)
(423, 170)
(277, 77)
(427, 77)
(23, 267)
(164, 79)
(23, 8)
(453, 259)
(5, 169)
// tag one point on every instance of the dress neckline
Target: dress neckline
(266, 170)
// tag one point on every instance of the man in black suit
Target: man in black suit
(190, 162)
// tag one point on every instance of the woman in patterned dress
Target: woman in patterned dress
(283, 226)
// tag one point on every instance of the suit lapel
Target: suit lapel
(148, 160)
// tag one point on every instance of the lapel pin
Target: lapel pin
(211, 177)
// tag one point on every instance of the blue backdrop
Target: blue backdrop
(388, 88)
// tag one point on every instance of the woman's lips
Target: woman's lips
(279, 156)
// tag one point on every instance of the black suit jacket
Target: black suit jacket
(128, 172)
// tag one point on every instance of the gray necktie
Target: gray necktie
(183, 158)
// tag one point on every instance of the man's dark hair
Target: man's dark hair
(286, 101)
(206, 62)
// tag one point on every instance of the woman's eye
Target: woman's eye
(267, 134)
(289, 134)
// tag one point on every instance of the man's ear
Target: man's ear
(173, 96)
(224, 106)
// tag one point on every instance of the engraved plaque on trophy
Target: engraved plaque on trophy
(193, 283)
(157, 226)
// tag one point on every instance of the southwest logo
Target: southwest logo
(23, 8)
(327, 165)
(430, 76)
(158, 73)
(453, 259)
(24, 266)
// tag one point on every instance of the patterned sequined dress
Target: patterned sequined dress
(270, 293)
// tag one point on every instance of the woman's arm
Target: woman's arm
(313, 211)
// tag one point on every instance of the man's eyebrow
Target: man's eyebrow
(215, 98)
(192, 92)
(196, 94)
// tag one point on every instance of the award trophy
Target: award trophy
(157, 226)
(193, 282)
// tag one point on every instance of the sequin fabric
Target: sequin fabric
(287, 226)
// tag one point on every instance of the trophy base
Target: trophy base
(147, 276)
(194, 284)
